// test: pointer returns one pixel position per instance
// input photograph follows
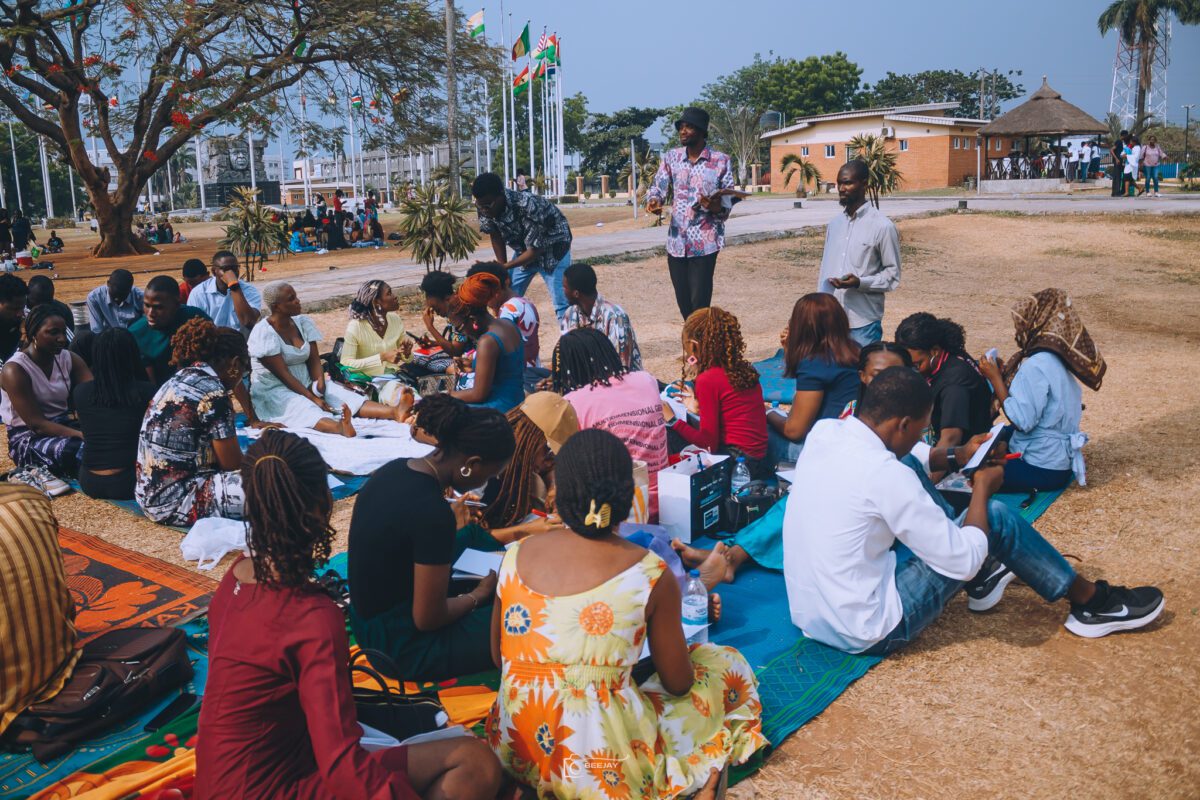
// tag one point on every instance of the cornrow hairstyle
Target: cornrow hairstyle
(718, 337)
(39, 316)
(515, 498)
(593, 469)
(288, 505)
(437, 283)
(200, 340)
(924, 331)
(460, 428)
(585, 357)
(116, 368)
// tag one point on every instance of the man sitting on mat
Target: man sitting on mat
(851, 501)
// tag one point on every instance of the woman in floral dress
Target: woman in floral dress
(570, 720)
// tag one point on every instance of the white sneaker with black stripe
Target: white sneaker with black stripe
(987, 587)
(1115, 608)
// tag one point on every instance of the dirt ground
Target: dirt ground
(76, 272)
(1005, 704)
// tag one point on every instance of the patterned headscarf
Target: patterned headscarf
(363, 304)
(1047, 321)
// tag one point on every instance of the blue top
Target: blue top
(508, 382)
(1045, 404)
(840, 384)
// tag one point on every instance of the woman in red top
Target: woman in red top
(278, 719)
(727, 397)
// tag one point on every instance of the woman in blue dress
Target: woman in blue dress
(499, 366)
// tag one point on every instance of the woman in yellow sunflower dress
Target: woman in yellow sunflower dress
(570, 720)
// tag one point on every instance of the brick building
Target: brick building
(933, 150)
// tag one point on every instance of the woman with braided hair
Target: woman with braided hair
(727, 396)
(375, 343)
(278, 719)
(188, 454)
(567, 641)
(499, 365)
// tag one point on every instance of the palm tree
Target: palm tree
(793, 165)
(882, 175)
(1137, 22)
(434, 225)
(252, 233)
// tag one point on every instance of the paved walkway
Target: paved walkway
(754, 220)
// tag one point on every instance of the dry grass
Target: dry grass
(1006, 704)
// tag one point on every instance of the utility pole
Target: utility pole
(451, 99)
(1187, 123)
(16, 170)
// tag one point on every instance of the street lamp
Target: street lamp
(1187, 123)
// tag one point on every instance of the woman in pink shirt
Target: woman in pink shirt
(588, 372)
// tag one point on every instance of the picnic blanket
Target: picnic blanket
(377, 443)
(776, 388)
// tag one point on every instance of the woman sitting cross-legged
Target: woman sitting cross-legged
(567, 640)
(37, 382)
(403, 542)
(188, 453)
(375, 343)
(278, 718)
(499, 366)
(111, 408)
(288, 383)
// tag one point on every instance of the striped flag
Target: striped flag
(521, 45)
(475, 24)
(356, 101)
(521, 82)
(539, 52)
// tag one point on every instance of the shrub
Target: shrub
(60, 222)
(567, 199)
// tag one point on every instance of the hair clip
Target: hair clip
(598, 519)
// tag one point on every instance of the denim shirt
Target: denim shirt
(1045, 404)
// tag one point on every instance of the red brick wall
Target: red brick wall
(929, 162)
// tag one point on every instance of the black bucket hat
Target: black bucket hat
(696, 117)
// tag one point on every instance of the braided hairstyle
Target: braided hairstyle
(288, 505)
(719, 343)
(199, 339)
(593, 470)
(585, 357)
(460, 428)
(39, 316)
(515, 498)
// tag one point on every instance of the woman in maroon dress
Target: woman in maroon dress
(277, 719)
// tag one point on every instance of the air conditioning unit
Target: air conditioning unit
(888, 132)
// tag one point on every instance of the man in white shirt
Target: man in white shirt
(228, 302)
(861, 261)
(851, 501)
(1085, 162)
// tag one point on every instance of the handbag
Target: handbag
(389, 710)
(755, 500)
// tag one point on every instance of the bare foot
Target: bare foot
(714, 609)
(692, 557)
(709, 790)
(346, 425)
(714, 565)
(402, 411)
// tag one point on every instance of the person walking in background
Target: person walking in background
(861, 260)
(1085, 161)
(1152, 158)
(22, 231)
(1097, 155)
(691, 175)
(1117, 151)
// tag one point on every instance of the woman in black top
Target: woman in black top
(962, 399)
(403, 543)
(111, 408)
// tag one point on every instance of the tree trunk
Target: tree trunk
(116, 234)
(451, 98)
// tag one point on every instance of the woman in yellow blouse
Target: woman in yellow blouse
(375, 343)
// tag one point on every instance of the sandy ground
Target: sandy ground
(1006, 704)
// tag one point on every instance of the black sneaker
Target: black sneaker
(987, 587)
(1115, 608)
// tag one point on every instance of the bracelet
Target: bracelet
(474, 600)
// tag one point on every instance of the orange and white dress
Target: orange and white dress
(569, 720)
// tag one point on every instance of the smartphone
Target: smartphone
(1002, 437)
(177, 708)
(992, 354)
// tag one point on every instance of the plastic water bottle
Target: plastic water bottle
(741, 477)
(695, 605)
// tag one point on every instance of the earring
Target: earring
(691, 361)
(464, 471)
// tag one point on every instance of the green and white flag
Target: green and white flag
(475, 24)
(301, 49)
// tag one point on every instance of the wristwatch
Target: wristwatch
(952, 459)
(234, 287)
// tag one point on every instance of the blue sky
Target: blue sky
(677, 48)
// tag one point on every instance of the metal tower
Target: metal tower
(1126, 68)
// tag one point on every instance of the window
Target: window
(830, 151)
(903, 145)
(851, 153)
(804, 151)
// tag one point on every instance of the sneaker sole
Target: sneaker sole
(989, 601)
(1105, 628)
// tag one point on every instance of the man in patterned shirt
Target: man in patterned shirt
(590, 310)
(692, 173)
(533, 227)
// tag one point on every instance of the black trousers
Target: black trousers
(692, 278)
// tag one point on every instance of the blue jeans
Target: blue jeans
(1012, 541)
(523, 276)
(1152, 173)
(868, 334)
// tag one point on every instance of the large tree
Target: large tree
(607, 137)
(816, 85)
(1136, 21)
(940, 86)
(147, 76)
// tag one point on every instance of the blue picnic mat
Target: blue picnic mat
(22, 776)
(776, 388)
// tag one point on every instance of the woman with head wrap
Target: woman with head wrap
(1038, 394)
(499, 351)
(288, 383)
(375, 343)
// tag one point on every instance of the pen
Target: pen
(1012, 456)
(474, 503)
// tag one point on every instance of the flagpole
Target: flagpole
(487, 126)
(558, 76)
(512, 106)
(505, 88)
(529, 107)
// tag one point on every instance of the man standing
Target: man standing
(693, 173)
(590, 310)
(533, 227)
(861, 261)
(1118, 168)
(1085, 161)
(22, 231)
(228, 302)
(116, 304)
(1072, 161)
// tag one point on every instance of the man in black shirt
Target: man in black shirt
(22, 231)
(13, 295)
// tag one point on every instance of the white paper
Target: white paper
(451, 732)
(477, 564)
(688, 632)
(982, 452)
(373, 739)
(788, 475)
(674, 403)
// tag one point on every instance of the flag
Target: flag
(541, 70)
(539, 52)
(356, 101)
(113, 102)
(521, 45)
(552, 51)
(475, 24)
(521, 82)
(301, 48)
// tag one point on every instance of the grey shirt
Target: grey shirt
(867, 245)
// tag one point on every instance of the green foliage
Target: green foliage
(575, 115)
(816, 85)
(606, 138)
(1190, 176)
(795, 166)
(1170, 139)
(1136, 23)
(434, 225)
(30, 165)
(937, 86)
(252, 233)
(883, 176)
